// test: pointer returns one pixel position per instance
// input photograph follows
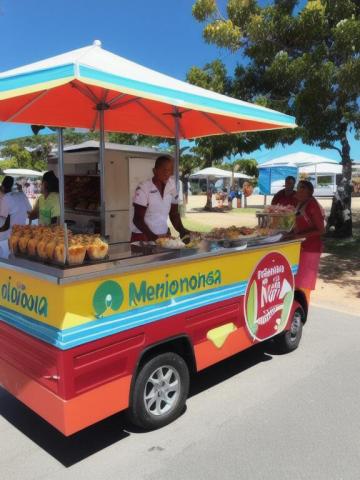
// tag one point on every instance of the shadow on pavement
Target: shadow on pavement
(228, 368)
(66, 450)
(71, 450)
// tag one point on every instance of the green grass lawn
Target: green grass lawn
(241, 211)
(195, 226)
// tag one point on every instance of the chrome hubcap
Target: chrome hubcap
(295, 326)
(162, 390)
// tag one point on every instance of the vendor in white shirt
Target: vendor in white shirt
(14, 208)
(154, 201)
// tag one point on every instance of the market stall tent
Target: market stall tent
(22, 172)
(213, 172)
(321, 171)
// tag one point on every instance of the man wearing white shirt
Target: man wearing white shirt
(14, 208)
(154, 201)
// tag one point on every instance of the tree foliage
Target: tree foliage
(249, 166)
(17, 156)
(213, 149)
(302, 61)
(32, 151)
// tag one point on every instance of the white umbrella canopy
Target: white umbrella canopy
(70, 90)
(298, 159)
(217, 173)
(22, 172)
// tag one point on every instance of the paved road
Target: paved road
(255, 416)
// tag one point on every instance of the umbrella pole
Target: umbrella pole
(61, 174)
(177, 148)
(101, 168)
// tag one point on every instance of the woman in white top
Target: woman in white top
(14, 208)
(154, 201)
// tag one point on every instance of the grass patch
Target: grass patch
(195, 226)
(241, 211)
(346, 248)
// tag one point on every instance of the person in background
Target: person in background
(47, 206)
(186, 189)
(286, 196)
(310, 224)
(14, 208)
(154, 201)
(231, 196)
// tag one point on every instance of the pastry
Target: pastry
(50, 248)
(31, 246)
(41, 247)
(59, 253)
(97, 250)
(76, 254)
(13, 242)
(23, 241)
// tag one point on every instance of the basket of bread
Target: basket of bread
(49, 244)
(277, 218)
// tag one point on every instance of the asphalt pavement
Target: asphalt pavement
(255, 416)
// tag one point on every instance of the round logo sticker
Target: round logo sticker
(108, 296)
(269, 296)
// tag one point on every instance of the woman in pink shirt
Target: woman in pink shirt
(310, 224)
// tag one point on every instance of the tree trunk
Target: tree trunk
(340, 215)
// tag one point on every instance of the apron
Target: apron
(311, 249)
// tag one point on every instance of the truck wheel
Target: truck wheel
(160, 391)
(289, 340)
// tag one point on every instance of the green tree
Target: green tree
(302, 61)
(18, 156)
(214, 149)
(243, 165)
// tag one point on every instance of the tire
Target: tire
(160, 391)
(289, 340)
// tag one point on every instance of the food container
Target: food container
(276, 221)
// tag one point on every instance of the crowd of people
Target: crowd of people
(16, 209)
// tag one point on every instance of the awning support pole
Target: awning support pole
(177, 116)
(61, 175)
(102, 169)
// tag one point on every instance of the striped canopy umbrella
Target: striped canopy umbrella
(96, 89)
(70, 90)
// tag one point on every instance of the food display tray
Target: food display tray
(54, 263)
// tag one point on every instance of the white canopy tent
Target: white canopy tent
(299, 159)
(22, 172)
(320, 170)
(213, 172)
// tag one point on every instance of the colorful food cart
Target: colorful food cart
(81, 342)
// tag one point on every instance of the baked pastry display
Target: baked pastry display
(48, 244)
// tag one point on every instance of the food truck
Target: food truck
(88, 329)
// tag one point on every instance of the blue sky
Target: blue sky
(160, 34)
